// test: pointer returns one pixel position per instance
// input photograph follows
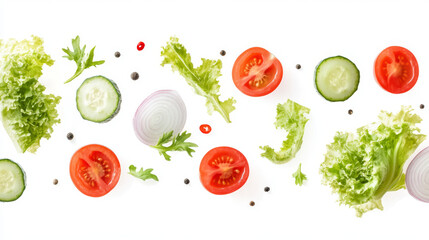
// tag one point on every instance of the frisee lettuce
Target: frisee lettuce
(291, 117)
(362, 167)
(203, 79)
(299, 176)
(79, 56)
(177, 144)
(142, 174)
(28, 114)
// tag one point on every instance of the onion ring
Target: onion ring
(417, 176)
(161, 112)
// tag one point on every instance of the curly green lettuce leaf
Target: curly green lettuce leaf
(28, 114)
(79, 56)
(203, 79)
(177, 144)
(362, 167)
(299, 176)
(142, 174)
(292, 118)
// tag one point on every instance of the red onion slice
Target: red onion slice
(417, 176)
(163, 111)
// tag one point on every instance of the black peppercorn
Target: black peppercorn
(422, 106)
(298, 66)
(267, 189)
(70, 136)
(117, 54)
(222, 53)
(55, 182)
(252, 203)
(350, 112)
(134, 76)
(186, 181)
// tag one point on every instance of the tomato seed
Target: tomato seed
(70, 136)
(350, 112)
(422, 106)
(267, 189)
(298, 66)
(55, 182)
(186, 181)
(252, 203)
(222, 53)
(117, 54)
(134, 76)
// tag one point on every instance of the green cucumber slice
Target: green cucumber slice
(337, 78)
(12, 180)
(98, 99)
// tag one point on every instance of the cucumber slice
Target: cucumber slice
(98, 99)
(12, 180)
(337, 78)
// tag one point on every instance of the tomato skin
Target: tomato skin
(396, 69)
(257, 72)
(88, 161)
(223, 170)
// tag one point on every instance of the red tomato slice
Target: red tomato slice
(396, 69)
(223, 170)
(205, 128)
(257, 72)
(95, 170)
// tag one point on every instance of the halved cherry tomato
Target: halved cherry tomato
(396, 69)
(257, 72)
(94, 170)
(223, 170)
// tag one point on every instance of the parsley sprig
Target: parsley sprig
(82, 60)
(142, 174)
(177, 144)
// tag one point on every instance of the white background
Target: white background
(303, 32)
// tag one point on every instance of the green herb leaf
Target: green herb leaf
(178, 144)
(82, 60)
(299, 176)
(142, 174)
(291, 117)
(28, 114)
(203, 79)
(362, 167)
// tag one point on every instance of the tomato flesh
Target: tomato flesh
(396, 69)
(223, 170)
(257, 72)
(95, 170)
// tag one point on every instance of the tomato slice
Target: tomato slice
(95, 170)
(223, 170)
(257, 72)
(396, 69)
(205, 128)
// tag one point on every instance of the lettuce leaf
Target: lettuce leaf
(361, 167)
(28, 114)
(291, 117)
(299, 176)
(203, 79)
